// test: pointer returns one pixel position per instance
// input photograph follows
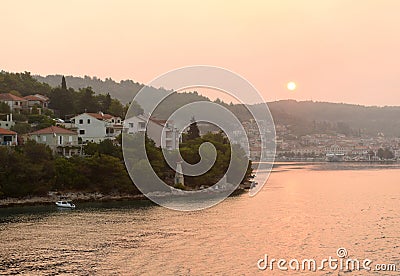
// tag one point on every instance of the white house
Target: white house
(6, 121)
(95, 127)
(15, 103)
(60, 140)
(162, 132)
(8, 137)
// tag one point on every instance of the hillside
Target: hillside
(123, 90)
(348, 118)
(304, 117)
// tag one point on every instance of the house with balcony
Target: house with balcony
(15, 103)
(60, 140)
(8, 137)
(95, 127)
(37, 100)
(162, 132)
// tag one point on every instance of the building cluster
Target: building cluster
(67, 137)
(257, 137)
(313, 146)
(362, 148)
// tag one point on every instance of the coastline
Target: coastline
(78, 197)
(75, 197)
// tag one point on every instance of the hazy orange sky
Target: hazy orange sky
(340, 51)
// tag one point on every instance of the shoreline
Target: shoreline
(75, 197)
(78, 197)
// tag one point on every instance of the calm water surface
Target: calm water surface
(304, 211)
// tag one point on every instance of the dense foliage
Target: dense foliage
(32, 169)
(190, 153)
(22, 83)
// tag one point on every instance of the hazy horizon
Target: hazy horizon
(225, 98)
(336, 51)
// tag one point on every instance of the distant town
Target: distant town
(324, 147)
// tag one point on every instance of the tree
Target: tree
(63, 84)
(134, 109)
(21, 128)
(193, 131)
(106, 146)
(380, 153)
(22, 82)
(62, 100)
(116, 108)
(107, 103)
(385, 154)
(40, 121)
(4, 108)
(86, 101)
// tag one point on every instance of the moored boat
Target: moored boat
(65, 204)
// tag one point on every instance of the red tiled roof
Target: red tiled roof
(7, 132)
(10, 97)
(51, 130)
(159, 122)
(34, 98)
(42, 97)
(101, 116)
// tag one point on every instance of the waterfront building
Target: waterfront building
(60, 140)
(95, 127)
(162, 132)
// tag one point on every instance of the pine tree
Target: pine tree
(193, 131)
(63, 83)
(107, 103)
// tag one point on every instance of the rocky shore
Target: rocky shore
(51, 198)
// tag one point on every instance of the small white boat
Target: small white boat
(65, 204)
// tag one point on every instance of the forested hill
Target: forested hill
(123, 90)
(304, 117)
(348, 118)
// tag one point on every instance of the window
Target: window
(43, 138)
(70, 139)
(142, 125)
(131, 125)
(82, 131)
(80, 121)
(60, 140)
(88, 121)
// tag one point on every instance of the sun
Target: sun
(291, 86)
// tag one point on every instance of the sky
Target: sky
(334, 50)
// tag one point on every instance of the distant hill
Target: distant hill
(304, 117)
(315, 116)
(124, 90)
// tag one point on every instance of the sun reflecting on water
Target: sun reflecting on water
(303, 211)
